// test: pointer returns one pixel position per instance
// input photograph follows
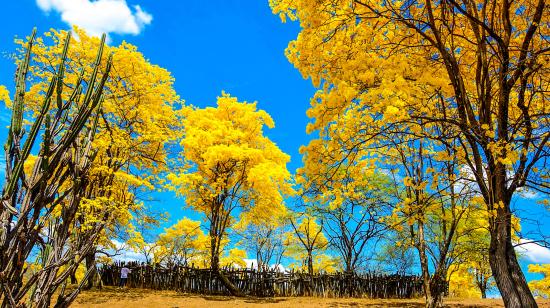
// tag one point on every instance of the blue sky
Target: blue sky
(209, 46)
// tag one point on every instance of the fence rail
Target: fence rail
(265, 283)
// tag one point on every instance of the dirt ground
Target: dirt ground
(141, 298)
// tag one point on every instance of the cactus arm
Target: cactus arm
(17, 114)
(61, 71)
(87, 144)
(17, 117)
(77, 91)
(46, 143)
(62, 108)
(91, 99)
(63, 113)
(16, 123)
(28, 145)
(96, 68)
(91, 103)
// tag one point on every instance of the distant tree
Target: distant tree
(352, 209)
(395, 257)
(306, 242)
(433, 205)
(181, 244)
(540, 287)
(471, 259)
(265, 239)
(144, 238)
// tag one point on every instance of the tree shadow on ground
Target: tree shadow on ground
(264, 300)
(216, 298)
(105, 294)
(223, 298)
(373, 305)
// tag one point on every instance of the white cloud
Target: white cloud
(123, 253)
(100, 16)
(528, 194)
(144, 17)
(253, 263)
(468, 179)
(532, 252)
(279, 267)
(126, 255)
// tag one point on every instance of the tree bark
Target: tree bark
(508, 275)
(483, 292)
(215, 266)
(229, 285)
(310, 271)
(310, 263)
(431, 295)
(350, 275)
(73, 278)
(90, 261)
(436, 291)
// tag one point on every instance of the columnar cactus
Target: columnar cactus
(68, 128)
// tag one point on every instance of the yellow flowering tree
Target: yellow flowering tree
(479, 68)
(428, 198)
(137, 120)
(540, 287)
(462, 282)
(230, 168)
(264, 237)
(42, 192)
(306, 244)
(234, 258)
(118, 155)
(181, 244)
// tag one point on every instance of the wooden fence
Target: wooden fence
(265, 283)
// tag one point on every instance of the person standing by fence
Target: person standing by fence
(124, 271)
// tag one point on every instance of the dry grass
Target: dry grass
(141, 298)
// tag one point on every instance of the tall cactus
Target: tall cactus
(16, 121)
(28, 199)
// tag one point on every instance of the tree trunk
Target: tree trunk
(508, 275)
(481, 282)
(214, 253)
(215, 266)
(483, 292)
(73, 278)
(349, 270)
(310, 271)
(431, 301)
(436, 291)
(310, 263)
(350, 275)
(229, 285)
(90, 261)
(504, 264)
